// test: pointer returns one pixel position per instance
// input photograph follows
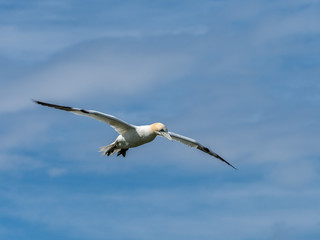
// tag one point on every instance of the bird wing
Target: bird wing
(119, 125)
(193, 143)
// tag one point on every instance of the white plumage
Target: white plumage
(131, 136)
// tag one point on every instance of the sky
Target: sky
(241, 77)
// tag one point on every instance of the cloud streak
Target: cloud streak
(168, 212)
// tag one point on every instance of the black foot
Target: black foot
(123, 152)
(110, 151)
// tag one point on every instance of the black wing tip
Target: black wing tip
(207, 150)
(35, 101)
(226, 162)
(41, 103)
(65, 108)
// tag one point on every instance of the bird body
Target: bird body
(131, 136)
(136, 137)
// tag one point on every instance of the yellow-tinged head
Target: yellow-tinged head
(161, 130)
(158, 127)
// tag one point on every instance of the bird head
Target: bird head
(161, 130)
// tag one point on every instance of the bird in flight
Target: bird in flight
(131, 136)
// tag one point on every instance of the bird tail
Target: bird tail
(110, 149)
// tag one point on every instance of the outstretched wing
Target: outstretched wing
(193, 143)
(119, 125)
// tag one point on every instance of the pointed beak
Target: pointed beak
(166, 135)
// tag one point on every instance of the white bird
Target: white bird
(133, 136)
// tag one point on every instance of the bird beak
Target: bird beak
(166, 135)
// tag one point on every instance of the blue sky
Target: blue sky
(242, 77)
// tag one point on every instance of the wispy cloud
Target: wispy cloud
(56, 172)
(145, 214)
(96, 69)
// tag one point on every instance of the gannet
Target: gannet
(131, 136)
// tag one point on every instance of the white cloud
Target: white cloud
(96, 69)
(29, 45)
(13, 162)
(56, 172)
